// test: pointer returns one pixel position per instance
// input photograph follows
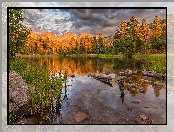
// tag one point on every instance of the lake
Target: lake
(88, 98)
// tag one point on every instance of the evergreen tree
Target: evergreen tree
(17, 32)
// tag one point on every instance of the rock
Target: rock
(133, 89)
(129, 109)
(134, 72)
(141, 90)
(79, 117)
(106, 73)
(19, 95)
(128, 71)
(146, 107)
(144, 119)
(121, 74)
(99, 90)
(137, 101)
(153, 74)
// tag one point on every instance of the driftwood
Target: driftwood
(105, 80)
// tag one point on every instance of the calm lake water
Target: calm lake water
(87, 100)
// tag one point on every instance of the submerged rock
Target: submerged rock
(79, 117)
(127, 73)
(137, 101)
(141, 90)
(144, 119)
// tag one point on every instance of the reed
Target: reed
(44, 90)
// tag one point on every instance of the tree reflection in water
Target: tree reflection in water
(121, 87)
(134, 84)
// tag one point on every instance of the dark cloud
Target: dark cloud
(32, 16)
(92, 21)
(99, 19)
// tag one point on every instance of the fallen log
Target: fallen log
(153, 74)
(105, 80)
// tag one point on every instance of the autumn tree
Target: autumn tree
(94, 45)
(144, 35)
(72, 44)
(121, 31)
(76, 49)
(126, 37)
(82, 48)
(158, 39)
(87, 44)
(133, 28)
(157, 27)
(100, 46)
(28, 48)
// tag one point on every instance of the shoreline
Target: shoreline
(135, 56)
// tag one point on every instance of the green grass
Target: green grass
(38, 55)
(110, 56)
(83, 55)
(44, 90)
(136, 56)
(156, 62)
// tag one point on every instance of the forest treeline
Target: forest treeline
(130, 37)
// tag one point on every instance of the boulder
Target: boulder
(19, 95)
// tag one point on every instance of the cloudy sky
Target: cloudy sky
(92, 21)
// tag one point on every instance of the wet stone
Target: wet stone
(137, 101)
(144, 119)
(129, 109)
(80, 117)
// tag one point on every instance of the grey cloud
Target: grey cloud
(99, 19)
(94, 20)
(32, 17)
(47, 27)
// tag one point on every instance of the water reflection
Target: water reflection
(82, 66)
(103, 71)
(64, 99)
(121, 87)
(122, 94)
